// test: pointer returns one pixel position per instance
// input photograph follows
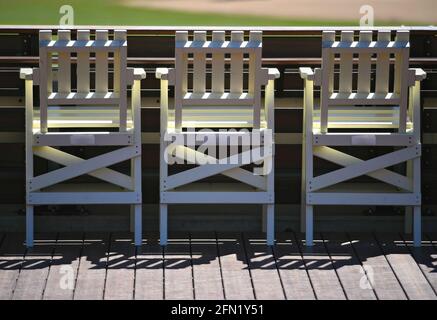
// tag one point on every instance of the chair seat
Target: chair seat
(216, 117)
(349, 117)
(82, 117)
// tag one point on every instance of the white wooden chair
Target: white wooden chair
(360, 112)
(83, 117)
(217, 107)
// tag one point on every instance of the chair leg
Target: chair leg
(163, 217)
(269, 210)
(264, 218)
(309, 220)
(408, 220)
(138, 223)
(302, 217)
(417, 235)
(29, 226)
(132, 219)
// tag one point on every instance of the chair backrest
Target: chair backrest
(376, 83)
(55, 76)
(220, 54)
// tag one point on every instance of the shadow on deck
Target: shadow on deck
(217, 266)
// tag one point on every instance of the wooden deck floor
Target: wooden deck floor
(217, 266)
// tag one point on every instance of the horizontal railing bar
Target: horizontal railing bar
(170, 29)
(170, 61)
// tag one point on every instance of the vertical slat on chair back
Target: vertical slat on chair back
(63, 46)
(327, 84)
(64, 63)
(401, 83)
(83, 64)
(382, 64)
(345, 81)
(218, 65)
(349, 56)
(206, 52)
(46, 76)
(237, 64)
(255, 65)
(199, 64)
(181, 76)
(101, 63)
(364, 65)
(120, 74)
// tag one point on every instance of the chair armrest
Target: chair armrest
(139, 74)
(273, 74)
(26, 73)
(306, 73)
(161, 73)
(165, 74)
(419, 74)
(135, 74)
(30, 74)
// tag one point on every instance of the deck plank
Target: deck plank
(426, 258)
(349, 269)
(380, 274)
(149, 270)
(206, 267)
(90, 283)
(35, 270)
(325, 282)
(408, 272)
(178, 273)
(120, 275)
(265, 275)
(64, 266)
(235, 271)
(12, 253)
(292, 270)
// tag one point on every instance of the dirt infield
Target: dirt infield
(400, 11)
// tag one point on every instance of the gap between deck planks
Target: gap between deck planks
(266, 278)
(149, 270)
(237, 278)
(62, 275)
(351, 274)
(292, 269)
(12, 253)
(120, 269)
(408, 272)
(425, 257)
(324, 279)
(207, 275)
(91, 274)
(35, 269)
(379, 272)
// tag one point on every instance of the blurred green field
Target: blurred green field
(112, 12)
